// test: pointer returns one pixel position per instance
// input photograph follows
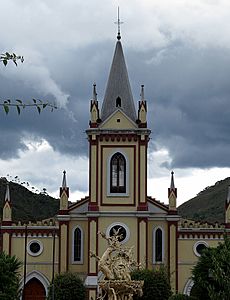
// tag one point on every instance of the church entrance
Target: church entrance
(34, 290)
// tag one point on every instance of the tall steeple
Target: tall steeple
(118, 94)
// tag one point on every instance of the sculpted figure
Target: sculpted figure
(116, 264)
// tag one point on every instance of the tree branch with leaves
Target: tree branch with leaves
(19, 104)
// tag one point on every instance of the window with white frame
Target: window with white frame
(158, 245)
(118, 173)
(77, 245)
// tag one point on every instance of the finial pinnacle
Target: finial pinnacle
(94, 92)
(172, 186)
(64, 185)
(118, 24)
(142, 92)
(7, 195)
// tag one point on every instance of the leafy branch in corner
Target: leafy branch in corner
(5, 57)
(40, 105)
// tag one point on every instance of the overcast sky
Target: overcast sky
(180, 51)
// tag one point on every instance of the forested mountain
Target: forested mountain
(208, 205)
(26, 204)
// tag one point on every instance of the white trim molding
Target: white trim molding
(122, 225)
(126, 194)
(80, 262)
(188, 287)
(39, 276)
(163, 245)
(199, 243)
(33, 253)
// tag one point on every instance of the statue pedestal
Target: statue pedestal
(121, 289)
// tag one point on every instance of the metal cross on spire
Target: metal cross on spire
(118, 24)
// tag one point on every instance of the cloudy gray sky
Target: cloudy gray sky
(179, 49)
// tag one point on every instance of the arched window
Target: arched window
(78, 245)
(118, 102)
(158, 245)
(118, 173)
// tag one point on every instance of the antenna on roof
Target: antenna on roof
(118, 24)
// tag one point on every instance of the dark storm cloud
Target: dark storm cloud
(187, 89)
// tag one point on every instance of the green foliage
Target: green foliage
(67, 286)
(9, 277)
(26, 205)
(211, 275)
(156, 284)
(19, 105)
(208, 205)
(182, 297)
(5, 57)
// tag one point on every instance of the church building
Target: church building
(118, 137)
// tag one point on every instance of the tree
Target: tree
(211, 275)
(156, 284)
(67, 286)
(9, 277)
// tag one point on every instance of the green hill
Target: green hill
(26, 204)
(208, 205)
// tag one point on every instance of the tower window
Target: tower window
(117, 173)
(77, 245)
(118, 102)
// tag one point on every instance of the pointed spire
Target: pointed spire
(142, 93)
(172, 190)
(118, 92)
(172, 185)
(7, 195)
(94, 92)
(64, 184)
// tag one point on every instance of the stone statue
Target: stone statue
(116, 265)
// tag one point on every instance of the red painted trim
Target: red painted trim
(93, 207)
(7, 223)
(63, 212)
(142, 207)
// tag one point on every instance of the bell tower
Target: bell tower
(118, 140)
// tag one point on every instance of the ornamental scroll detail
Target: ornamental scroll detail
(116, 264)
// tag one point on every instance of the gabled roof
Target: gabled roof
(118, 86)
(158, 203)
